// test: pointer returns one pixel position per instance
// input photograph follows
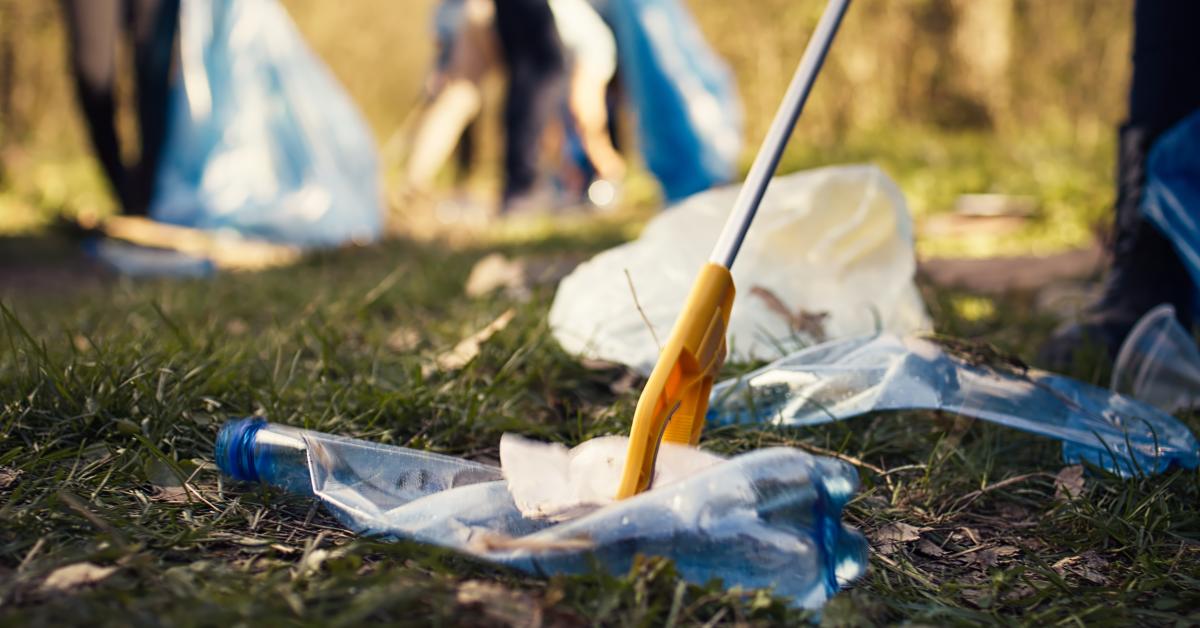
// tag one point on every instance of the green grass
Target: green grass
(112, 390)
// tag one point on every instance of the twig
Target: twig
(37, 547)
(716, 619)
(638, 305)
(840, 456)
(966, 500)
(906, 467)
(915, 574)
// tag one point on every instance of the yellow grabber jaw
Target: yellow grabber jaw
(675, 399)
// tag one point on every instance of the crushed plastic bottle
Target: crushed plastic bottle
(765, 519)
(1159, 363)
(847, 378)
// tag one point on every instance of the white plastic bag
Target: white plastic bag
(835, 240)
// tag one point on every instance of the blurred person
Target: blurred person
(682, 93)
(94, 27)
(467, 31)
(533, 54)
(1145, 269)
(467, 50)
(577, 178)
(592, 57)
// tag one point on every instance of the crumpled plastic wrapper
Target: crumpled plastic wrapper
(549, 481)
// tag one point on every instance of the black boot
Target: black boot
(1145, 271)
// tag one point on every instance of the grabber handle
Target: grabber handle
(675, 399)
(748, 198)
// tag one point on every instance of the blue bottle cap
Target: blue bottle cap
(235, 448)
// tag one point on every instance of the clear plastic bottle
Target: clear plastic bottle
(765, 519)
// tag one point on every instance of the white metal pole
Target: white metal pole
(755, 186)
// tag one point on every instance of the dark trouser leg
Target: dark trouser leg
(93, 27)
(154, 25)
(1164, 89)
(464, 153)
(534, 57)
(1146, 270)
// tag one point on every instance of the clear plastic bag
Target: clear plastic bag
(1159, 363)
(848, 378)
(770, 518)
(262, 140)
(833, 246)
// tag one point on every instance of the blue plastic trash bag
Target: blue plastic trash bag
(765, 519)
(131, 260)
(262, 140)
(1171, 199)
(847, 378)
(688, 113)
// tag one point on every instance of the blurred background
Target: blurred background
(950, 97)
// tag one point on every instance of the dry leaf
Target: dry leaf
(166, 486)
(312, 561)
(511, 608)
(969, 534)
(517, 277)
(465, 351)
(629, 381)
(1068, 484)
(8, 476)
(74, 576)
(1019, 592)
(81, 343)
(593, 364)
(1087, 565)
(979, 598)
(496, 272)
(988, 557)
(169, 494)
(236, 327)
(930, 549)
(1013, 513)
(802, 321)
(403, 340)
(621, 379)
(890, 537)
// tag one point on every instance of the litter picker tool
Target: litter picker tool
(675, 399)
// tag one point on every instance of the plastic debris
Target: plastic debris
(847, 378)
(765, 519)
(262, 140)
(548, 481)
(832, 248)
(1159, 363)
(1171, 197)
(690, 128)
(141, 261)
